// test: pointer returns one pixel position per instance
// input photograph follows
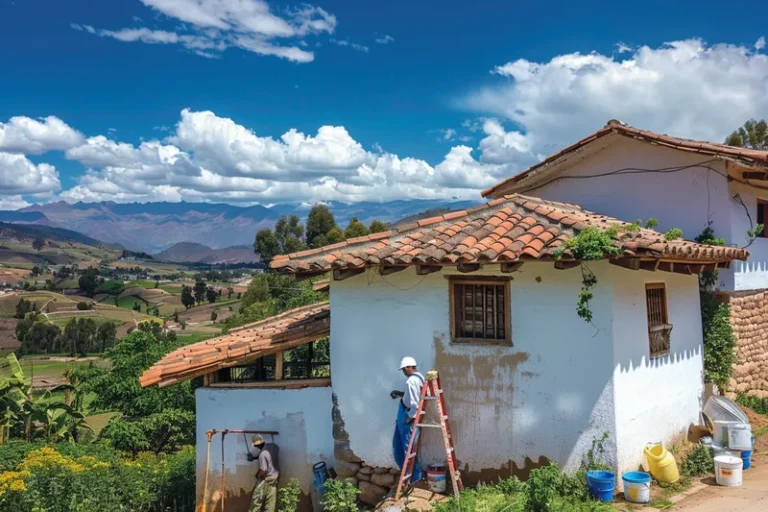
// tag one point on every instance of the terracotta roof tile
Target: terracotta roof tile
(518, 226)
(286, 330)
(519, 182)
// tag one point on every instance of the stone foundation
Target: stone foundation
(749, 320)
(374, 483)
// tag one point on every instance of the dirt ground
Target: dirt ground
(8, 341)
(758, 421)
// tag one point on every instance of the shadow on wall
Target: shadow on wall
(643, 362)
(240, 481)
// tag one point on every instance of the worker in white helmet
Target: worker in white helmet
(406, 413)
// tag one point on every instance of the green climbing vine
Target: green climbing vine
(719, 339)
(589, 245)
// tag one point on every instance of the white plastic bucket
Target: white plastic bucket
(637, 487)
(728, 470)
(739, 436)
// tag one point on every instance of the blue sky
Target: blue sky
(398, 85)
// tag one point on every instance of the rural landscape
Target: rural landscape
(329, 256)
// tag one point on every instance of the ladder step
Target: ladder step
(406, 477)
(429, 425)
(412, 455)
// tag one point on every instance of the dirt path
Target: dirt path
(752, 496)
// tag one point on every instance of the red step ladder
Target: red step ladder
(431, 391)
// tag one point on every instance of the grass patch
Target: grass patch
(661, 503)
(188, 339)
(760, 432)
(128, 301)
(40, 367)
(99, 421)
(171, 288)
(142, 283)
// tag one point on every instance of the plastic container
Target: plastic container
(637, 486)
(601, 484)
(319, 476)
(661, 464)
(436, 478)
(739, 436)
(728, 470)
(746, 457)
(720, 431)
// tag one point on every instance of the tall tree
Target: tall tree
(187, 299)
(319, 222)
(38, 244)
(89, 281)
(377, 226)
(106, 336)
(211, 295)
(266, 245)
(286, 238)
(355, 229)
(200, 289)
(753, 135)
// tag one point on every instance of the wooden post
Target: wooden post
(279, 366)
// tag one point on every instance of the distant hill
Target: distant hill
(33, 231)
(190, 252)
(154, 227)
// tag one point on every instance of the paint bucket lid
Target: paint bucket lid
(728, 460)
(436, 467)
(636, 477)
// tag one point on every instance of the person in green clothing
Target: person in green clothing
(265, 494)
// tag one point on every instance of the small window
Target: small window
(659, 328)
(480, 311)
(762, 216)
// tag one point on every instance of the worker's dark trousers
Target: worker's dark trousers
(400, 441)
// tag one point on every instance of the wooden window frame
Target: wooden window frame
(762, 216)
(664, 328)
(209, 380)
(485, 281)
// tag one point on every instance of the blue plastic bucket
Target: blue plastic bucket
(637, 486)
(601, 484)
(746, 456)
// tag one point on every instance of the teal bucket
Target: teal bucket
(601, 485)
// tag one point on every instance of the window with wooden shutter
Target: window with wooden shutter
(659, 328)
(480, 310)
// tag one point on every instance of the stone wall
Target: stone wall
(749, 319)
(374, 482)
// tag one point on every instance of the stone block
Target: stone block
(339, 432)
(384, 479)
(372, 494)
(364, 477)
(379, 471)
(346, 469)
(366, 470)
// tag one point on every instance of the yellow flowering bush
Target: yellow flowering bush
(60, 478)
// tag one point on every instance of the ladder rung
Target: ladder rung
(430, 398)
(406, 477)
(430, 425)
(412, 455)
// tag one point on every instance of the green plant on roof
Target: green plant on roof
(673, 234)
(589, 244)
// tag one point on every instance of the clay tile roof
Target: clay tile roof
(743, 156)
(519, 227)
(249, 342)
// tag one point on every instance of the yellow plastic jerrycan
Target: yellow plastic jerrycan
(661, 463)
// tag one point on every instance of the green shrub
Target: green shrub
(340, 497)
(288, 496)
(759, 405)
(511, 486)
(543, 487)
(698, 462)
(485, 499)
(719, 340)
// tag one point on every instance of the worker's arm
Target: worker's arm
(396, 394)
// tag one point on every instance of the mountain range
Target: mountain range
(155, 227)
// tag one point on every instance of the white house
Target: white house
(631, 173)
(483, 297)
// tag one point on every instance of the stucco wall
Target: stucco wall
(656, 399)
(511, 408)
(302, 418)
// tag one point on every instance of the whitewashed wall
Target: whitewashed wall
(751, 274)
(685, 199)
(302, 418)
(546, 397)
(656, 400)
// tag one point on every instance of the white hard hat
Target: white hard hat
(407, 361)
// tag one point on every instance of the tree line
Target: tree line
(290, 235)
(80, 336)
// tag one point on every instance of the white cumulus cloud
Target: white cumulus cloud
(18, 175)
(29, 136)
(685, 88)
(12, 202)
